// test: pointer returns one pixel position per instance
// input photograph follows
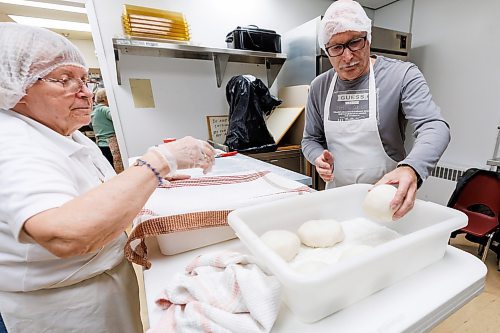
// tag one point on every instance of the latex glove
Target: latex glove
(324, 165)
(405, 196)
(186, 153)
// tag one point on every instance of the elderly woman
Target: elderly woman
(63, 209)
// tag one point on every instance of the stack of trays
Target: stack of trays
(155, 23)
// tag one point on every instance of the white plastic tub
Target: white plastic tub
(425, 232)
(183, 241)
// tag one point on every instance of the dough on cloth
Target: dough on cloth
(285, 243)
(321, 233)
(377, 203)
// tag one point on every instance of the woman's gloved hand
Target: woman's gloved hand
(186, 153)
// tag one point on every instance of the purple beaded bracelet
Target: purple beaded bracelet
(139, 162)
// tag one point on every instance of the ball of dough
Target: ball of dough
(321, 233)
(310, 266)
(354, 251)
(285, 243)
(377, 203)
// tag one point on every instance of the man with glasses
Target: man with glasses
(64, 211)
(357, 113)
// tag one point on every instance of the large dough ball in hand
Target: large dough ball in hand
(285, 243)
(321, 233)
(377, 203)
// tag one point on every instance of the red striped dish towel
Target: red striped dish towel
(220, 293)
(205, 202)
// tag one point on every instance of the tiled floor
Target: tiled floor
(482, 314)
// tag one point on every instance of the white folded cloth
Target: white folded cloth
(220, 292)
(203, 202)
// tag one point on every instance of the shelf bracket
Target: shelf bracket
(220, 62)
(272, 71)
(117, 59)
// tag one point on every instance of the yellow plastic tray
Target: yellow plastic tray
(154, 36)
(130, 21)
(153, 12)
(157, 32)
(129, 25)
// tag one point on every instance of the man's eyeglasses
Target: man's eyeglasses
(71, 85)
(353, 45)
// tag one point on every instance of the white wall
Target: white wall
(88, 50)
(456, 45)
(185, 91)
(462, 75)
(396, 16)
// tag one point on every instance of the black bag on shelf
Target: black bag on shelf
(249, 100)
(253, 38)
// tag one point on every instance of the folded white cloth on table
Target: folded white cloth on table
(220, 192)
(221, 292)
(203, 202)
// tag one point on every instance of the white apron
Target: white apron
(106, 303)
(358, 152)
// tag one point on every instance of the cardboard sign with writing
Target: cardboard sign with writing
(217, 128)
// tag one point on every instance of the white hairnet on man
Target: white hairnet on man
(341, 16)
(29, 53)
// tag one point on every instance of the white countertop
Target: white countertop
(415, 304)
(250, 163)
(239, 163)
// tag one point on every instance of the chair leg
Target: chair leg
(480, 250)
(487, 247)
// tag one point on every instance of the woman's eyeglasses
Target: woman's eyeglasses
(71, 85)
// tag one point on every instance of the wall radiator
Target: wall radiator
(440, 184)
(447, 173)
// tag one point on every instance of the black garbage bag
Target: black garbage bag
(249, 100)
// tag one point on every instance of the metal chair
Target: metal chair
(478, 195)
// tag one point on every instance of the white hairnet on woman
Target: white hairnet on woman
(64, 211)
(341, 16)
(27, 54)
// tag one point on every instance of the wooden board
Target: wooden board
(280, 120)
(217, 128)
(293, 96)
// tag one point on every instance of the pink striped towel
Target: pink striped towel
(222, 292)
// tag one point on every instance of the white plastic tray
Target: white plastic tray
(268, 188)
(178, 242)
(425, 232)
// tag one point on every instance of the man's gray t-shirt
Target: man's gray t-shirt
(403, 96)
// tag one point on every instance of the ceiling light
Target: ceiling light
(46, 5)
(53, 24)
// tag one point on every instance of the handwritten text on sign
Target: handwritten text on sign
(217, 128)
